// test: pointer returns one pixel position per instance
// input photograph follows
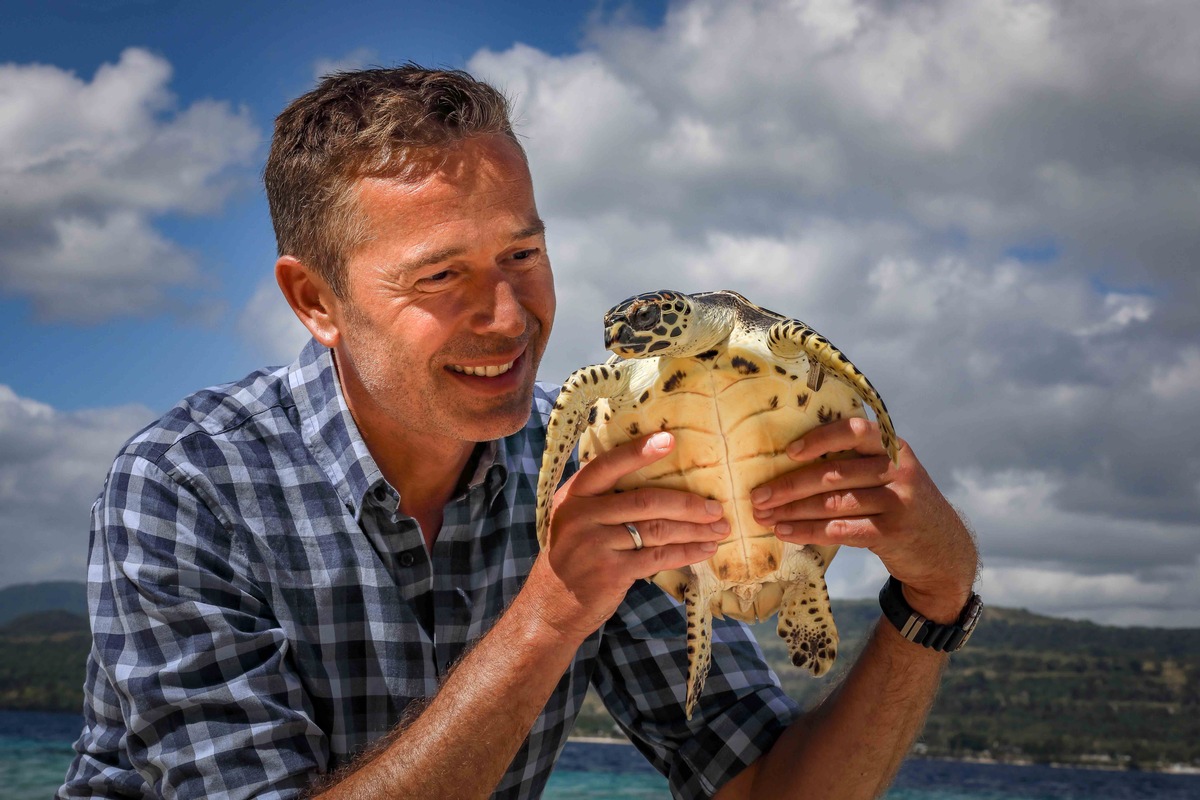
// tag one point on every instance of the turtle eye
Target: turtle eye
(645, 317)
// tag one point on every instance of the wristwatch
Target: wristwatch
(919, 630)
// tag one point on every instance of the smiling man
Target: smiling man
(324, 579)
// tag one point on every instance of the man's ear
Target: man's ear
(311, 298)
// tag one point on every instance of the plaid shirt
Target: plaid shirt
(261, 612)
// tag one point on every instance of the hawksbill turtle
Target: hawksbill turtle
(735, 384)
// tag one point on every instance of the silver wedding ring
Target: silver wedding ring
(637, 537)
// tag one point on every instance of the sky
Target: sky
(993, 208)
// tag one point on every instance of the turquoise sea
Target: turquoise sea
(35, 749)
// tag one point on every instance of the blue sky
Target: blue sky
(255, 57)
(990, 206)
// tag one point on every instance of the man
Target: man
(341, 552)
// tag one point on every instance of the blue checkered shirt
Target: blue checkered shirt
(261, 612)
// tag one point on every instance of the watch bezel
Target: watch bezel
(918, 629)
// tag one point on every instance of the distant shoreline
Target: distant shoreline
(1164, 769)
(1168, 769)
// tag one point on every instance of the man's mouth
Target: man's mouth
(489, 371)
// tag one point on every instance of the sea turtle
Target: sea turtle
(735, 384)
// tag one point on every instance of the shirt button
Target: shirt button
(407, 559)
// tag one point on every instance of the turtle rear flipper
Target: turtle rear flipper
(805, 618)
(568, 419)
(698, 598)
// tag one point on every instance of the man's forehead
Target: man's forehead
(484, 195)
(467, 166)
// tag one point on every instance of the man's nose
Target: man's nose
(501, 311)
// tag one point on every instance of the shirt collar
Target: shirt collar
(331, 434)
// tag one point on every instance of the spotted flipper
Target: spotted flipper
(791, 338)
(805, 618)
(568, 419)
(697, 601)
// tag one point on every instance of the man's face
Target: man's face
(449, 302)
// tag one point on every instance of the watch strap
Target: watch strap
(944, 638)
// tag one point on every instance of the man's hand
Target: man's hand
(591, 561)
(866, 501)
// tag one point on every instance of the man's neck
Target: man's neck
(424, 495)
(426, 470)
(426, 478)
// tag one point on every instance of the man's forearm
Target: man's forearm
(462, 743)
(852, 744)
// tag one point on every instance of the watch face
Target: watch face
(970, 619)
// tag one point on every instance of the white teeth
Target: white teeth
(490, 371)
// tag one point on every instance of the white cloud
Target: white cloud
(270, 326)
(357, 58)
(1079, 563)
(1180, 381)
(85, 167)
(868, 166)
(1167, 599)
(98, 268)
(1004, 119)
(52, 467)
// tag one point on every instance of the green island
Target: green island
(1027, 689)
(1030, 689)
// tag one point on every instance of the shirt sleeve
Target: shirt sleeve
(642, 677)
(190, 691)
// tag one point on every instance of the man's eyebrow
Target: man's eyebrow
(436, 257)
(535, 228)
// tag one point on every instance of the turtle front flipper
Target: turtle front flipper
(568, 419)
(791, 338)
(697, 600)
(805, 618)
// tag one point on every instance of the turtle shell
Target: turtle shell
(733, 410)
(735, 384)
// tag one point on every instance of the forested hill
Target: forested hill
(1027, 687)
(1033, 688)
(29, 598)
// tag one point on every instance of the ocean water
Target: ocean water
(601, 771)
(35, 750)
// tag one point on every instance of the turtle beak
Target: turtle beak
(613, 334)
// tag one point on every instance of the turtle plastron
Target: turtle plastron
(736, 384)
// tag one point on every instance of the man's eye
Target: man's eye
(523, 255)
(437, 277)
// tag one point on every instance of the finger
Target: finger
(602, 473)
(649, 560)
(866, 502)
(857, 434)
(824, 476)
(661, 533)
(650, 503)
(853, 532)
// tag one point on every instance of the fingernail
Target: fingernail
(720, 526)
(795, 447)
(783, 529)
(712, 506)
(763, 513)
(708, 547)
(760, 495)
(660, 440)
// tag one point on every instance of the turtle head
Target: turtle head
(653, 324)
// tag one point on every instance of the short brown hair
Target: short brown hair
(367, 123)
